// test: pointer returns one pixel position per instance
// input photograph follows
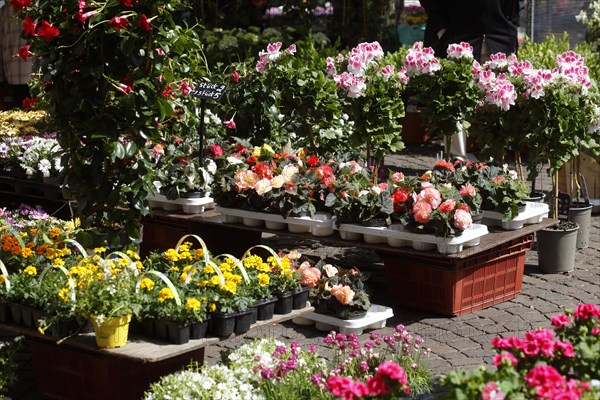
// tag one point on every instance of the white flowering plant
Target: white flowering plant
(591, 18)
(41, 157)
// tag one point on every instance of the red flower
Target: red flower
(235, 76)
(118, 22)
(18, 5)
(216, 150)
(29, 103)
(167, 92)
(144, 23)
(444, 165)
(29, 26)
(47, 31)
(126, 3)
(24, 53)
(312, 161)
(251, 159)
(263, 170)
(447, 206)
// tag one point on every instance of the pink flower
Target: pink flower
(595, 331)
(345, 388)
(447, 206)
(586, 311)
(393, 371)
(462, 219)
(560, 320)
(505, 356)
(422, 211)
(229, 123)
(263, 186)
(160, 51)
(460, 50)
(236, 76)
(245, 179)
(387, 71)
(397, 177)
(292, 49)
(377, 386)
(330, 68)
(566, 349)
(118, 22)
(468, 190)
(343, 294)
(491, 391)
(431, 195)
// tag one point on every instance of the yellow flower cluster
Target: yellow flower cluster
(20, 123)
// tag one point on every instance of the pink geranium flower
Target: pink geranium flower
(422, 211)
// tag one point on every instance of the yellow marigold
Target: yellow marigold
(54, 232)
(212, 307)
(147, 284)
(183, 277)
(198, 254)
(123, 262)
(30, 270)
(215, 280)
(58, 261)
(236, 278)
(192, 304)
(225, 267)
(263, 279)
(263, 267)
(174, 269)
(229, 286)
(171, 255)
(63, 252)
(165, 294)
(208, 269)
(64, 294)
(99, 250)
(26, 252)
(251, 261)
(202, 283)
(185, 246)
(139, 265)
(185, 255)
(133, 255)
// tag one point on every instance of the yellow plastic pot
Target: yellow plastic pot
(113, 332)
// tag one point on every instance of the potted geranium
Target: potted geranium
(543, 364)
(563, 104)
(444, 87)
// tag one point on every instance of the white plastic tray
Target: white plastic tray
(375, 319)
(188, 205)
(396, 236)
(320, 225)
(533, 214)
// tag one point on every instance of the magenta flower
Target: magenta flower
(230, 123)
(560, 320)
(586, 311)
(505, 356)
(460, 50)
(118, 22)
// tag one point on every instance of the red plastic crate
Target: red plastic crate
(452, 286)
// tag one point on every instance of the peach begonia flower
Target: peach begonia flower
(468, 190)
(397, 177)
(447, 206)
(330, 270)
(462, 219)
(278, 181)
(421, 211)
(431, 196)
(310, 275)
(342, 293)
(245, 180)
(288, 172)
(263, 186)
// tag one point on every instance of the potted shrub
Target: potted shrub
(111, 76)
(563, 103)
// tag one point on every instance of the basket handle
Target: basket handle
(67, 275)
(166, 280)
(5, 272)
(262, 246)
(199, 239)
(238, 264)
(78, 246)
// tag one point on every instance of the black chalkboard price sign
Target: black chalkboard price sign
(209, 91)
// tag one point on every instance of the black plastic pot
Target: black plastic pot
(179, 332)
(161, 330)
(148, 327)
(300, 298)
(222, 324)
(243, 321)
(265, 309)
(199, 329)
(284, 303)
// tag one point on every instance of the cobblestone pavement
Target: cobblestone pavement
(455, 342)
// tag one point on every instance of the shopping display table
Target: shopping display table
(451, 284)
(77, 369)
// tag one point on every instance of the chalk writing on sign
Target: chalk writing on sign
(209, 90)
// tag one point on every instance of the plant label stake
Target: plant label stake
(206, 91)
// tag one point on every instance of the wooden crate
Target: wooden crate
(589, 168)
